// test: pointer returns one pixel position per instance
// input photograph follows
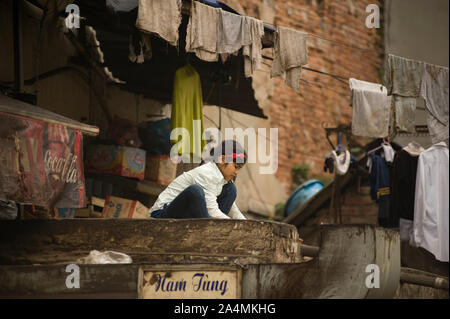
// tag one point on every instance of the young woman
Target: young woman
(207, 191)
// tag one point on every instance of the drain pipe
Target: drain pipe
(421, 278)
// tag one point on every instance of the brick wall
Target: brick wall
(357, 208)
(299, 117)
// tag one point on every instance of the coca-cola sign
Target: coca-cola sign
(41, 163)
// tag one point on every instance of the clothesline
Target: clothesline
(337, 77)
(317, 36)
(232, 119)
(268, 139)
(333, 41)
(310, 83)
(395, 100)
(324, 87)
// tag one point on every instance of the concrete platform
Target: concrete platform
(149, 241)
(265, 254)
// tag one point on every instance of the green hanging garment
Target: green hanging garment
(187, 112)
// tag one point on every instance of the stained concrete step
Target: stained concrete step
(338, 270)
(149, 240)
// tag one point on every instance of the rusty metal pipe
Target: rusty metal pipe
(309, 251)
(416, 277)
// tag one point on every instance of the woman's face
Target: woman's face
(229, 170)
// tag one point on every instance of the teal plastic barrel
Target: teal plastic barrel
(302, 194)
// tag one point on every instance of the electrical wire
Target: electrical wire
(337, 77)
(341, 43)
(321, 86)
(210, 119)
(329, 40)
(232, 119)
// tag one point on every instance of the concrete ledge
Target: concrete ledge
(154, 240)
(339, 271)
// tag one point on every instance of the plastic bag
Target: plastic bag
(8, 210)
(156, 136)
(106, 257)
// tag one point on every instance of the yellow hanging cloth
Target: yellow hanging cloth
(187, 112)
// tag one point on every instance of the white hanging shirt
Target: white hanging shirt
(210, 179)
(431, 206)
(388, 153)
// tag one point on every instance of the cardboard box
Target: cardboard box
(116, 160)
(65, 212)
(160, 169)
(116, 207)
(62, 213)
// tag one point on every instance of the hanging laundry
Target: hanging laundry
(233, 32)
(380, 181)
(188, 107)
(135, 52)
(252, 52)
(160, 17)
(388, 153)
(405, 113)
(431, 204)
(392, 123)
(122, 5)
(140, 48)
(371, 109)
(434, 90)
(402, 76)
(342, 162)
(403, 187)
(328, 164)
(201, 33)
(290, 55)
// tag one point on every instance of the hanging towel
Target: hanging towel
(405, 113)
(342, 162)
(371, 109)
(186, 108)
(290, 55)
(434, 90)
(431, 205)
(160, 17)
(233, 32)
(201, 33)
(402, 76)
(252, 52)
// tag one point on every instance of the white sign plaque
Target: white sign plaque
(189, 282)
